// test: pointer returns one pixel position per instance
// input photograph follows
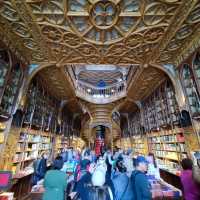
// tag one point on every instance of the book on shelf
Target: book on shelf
(30, 145)
(168, 147)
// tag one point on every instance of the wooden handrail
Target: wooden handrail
(101, 95)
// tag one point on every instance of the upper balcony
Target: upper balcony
(100, 95)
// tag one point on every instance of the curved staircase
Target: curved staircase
(100, 115)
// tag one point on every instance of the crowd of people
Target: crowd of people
(109, 176)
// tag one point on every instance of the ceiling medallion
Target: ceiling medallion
(103, 21)
(104, 14)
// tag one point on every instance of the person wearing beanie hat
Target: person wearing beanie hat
(55, 181)
(140, 185)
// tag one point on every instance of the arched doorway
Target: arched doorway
(102, 138)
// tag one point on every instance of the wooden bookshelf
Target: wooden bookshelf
(61, 142)
(125, 143)
(139, 145)
(160, 109)
(169, 147)
(11, 76)
(31, 143)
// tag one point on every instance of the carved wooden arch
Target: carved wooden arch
(171, 73)
(31, 75)
(117, 106)
(37, 70)
(84, 107)
(100, 124)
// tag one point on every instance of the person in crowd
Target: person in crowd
(93, 157)
(118, 154)
(98, 190)
(55, 181)
(86, 155)
(40, 168)
(139, 181)
(122, 185)
(70, 165)
(128, 162)
(196, 168)
(70, 153)
(101, 164)
(64, 154)
(153, 169)
(109, 163)
(83, 178)
(190, 188)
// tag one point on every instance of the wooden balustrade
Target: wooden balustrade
(100, 95)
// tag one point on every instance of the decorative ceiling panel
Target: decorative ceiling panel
(57, 85)
(18, 21)
(145, 84)
(98, 31)
(184, 38)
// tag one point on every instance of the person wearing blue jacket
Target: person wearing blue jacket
(40, 168)
(140, 184)
(122, 184)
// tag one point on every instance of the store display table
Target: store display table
(6, 196)
(162, 190)
(171, 178)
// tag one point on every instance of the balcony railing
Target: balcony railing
(100, 95)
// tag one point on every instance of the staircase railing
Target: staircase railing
(100, 95)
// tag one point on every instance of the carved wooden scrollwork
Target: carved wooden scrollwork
(86, 31)
(182, 38)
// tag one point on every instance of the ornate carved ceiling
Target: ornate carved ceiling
(100, 31)
(59, 86)
(117, 32)
(145, 81)
(94, 74)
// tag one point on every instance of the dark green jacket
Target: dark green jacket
(141, 186)
(55, 183)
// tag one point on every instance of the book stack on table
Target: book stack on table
(7, 196)
(161, 189)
